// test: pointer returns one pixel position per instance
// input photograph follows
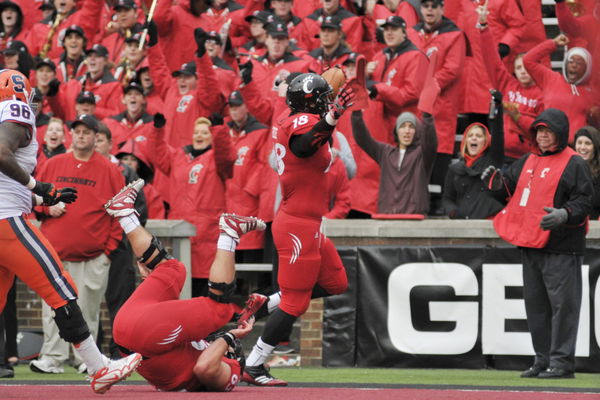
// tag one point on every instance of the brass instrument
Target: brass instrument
(129, 73)
(48, 44)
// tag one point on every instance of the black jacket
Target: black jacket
(574, 191)
(464, 195)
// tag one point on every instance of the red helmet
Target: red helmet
(15, 86)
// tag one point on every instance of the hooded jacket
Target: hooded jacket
(573, 193)
(19, 32)
(402, 188)
(575, 99)
(464, 194)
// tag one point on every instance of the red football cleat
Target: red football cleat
(253, 304)
(236, 225)
(116, 371)
(122, 204)
(260, 376)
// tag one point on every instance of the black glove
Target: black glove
(496, 96)
(53, 87)
(216, 119)
(200, 38)
(492, 178)
(246, 72)
(152, 33)
(495, 104)
(555, 218)
(372, 89)
(51, 196)
(159, 120)
(503, 50)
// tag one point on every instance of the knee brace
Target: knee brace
(71, 325)
(226, 288)
(155, 244)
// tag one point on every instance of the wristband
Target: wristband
(330, 120)
(229, 338)
(37, 200)
(31, 184)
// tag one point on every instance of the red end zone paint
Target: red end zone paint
(144, 392)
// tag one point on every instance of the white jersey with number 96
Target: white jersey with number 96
(15, 199)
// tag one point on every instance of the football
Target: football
(336, 79)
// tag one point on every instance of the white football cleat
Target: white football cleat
(115, 371)
(236, 225)
(122, 204)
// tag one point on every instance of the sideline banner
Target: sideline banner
(457, 306)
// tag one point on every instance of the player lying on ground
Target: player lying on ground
(171, 334)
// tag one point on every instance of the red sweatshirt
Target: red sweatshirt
(85, 231)
(517, 139)
(575, 101)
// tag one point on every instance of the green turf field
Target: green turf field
(459, 377)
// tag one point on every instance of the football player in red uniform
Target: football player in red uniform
(174, 336)
(309, 265)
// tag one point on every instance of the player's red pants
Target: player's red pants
(154, 321)
(306, 257)
(25, 252)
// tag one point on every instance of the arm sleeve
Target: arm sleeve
(428, 140)
(162, 155)
(525, 121)
(363, 138)
(397, 97)
(258, 105)
(159, 71)
(566, 21)
(340, 193)
(497, 131)
(58, 102)
(452, 64)
(499, 76)
(346, 155)
(209, 95)
(88, 17)
(514, 22)
(580, 189)
(163, 16)
(533, 61)
(225, 155)
(306, 144)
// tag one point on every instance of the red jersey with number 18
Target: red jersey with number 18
(303, 180)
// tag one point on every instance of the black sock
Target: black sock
(278, 327)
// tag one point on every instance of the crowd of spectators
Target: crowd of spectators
(187, 100)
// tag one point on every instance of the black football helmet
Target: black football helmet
(309, 93)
